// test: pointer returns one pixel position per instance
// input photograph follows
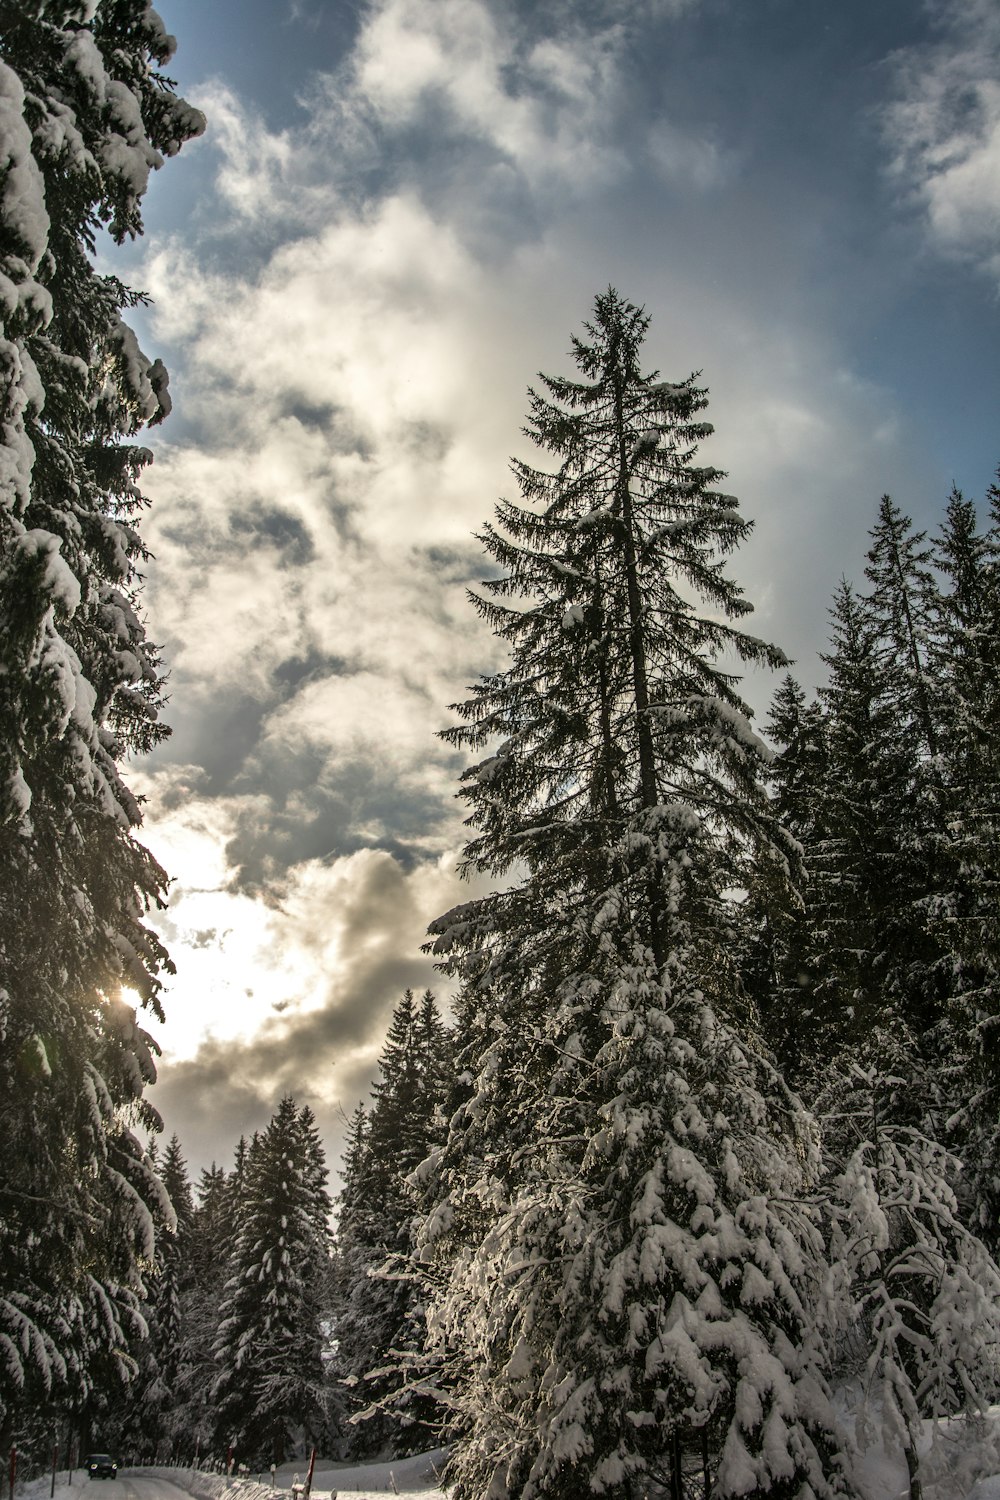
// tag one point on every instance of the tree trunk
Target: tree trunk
(913, 1468)
(648, 794)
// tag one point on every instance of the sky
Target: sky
(400, 212)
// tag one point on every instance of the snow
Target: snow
(967, 1468)
(59, 580)
(22, 196)
(417, 1475)
(83, 56)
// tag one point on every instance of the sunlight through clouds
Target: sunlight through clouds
(351, 318)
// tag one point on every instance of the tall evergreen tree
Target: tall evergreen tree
(270, 1388)
(620, 1267)
(902, 604)
(859, 877)
(155, 1407)
(85, 114)
(207, 1248)
(966, 664)
(380, 1323)
(864, 952)
(779, 962)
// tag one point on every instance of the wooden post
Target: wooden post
(309, 1476)
(13, 1470)
(55, 1460)
(676, 1479)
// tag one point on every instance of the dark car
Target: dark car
(100, 1466)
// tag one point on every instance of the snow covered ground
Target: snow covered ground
(408, 1476)
(964, 1466)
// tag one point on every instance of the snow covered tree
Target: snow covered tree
(915, 1304)
(270, 1386)
(614, 1258)
(865, 949)
(902, 606)
(153, 1407)
(173, 1265)
(85, 114)
(777, 930)
(379, 1312)
(966, 677)
(206, 1248)
(859, 888)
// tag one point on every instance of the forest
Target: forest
(699, 1151)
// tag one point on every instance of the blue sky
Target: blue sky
(400, 211)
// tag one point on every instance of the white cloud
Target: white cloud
(546, 105)
(337, 938)
(352, 386)
(944, 132)
(240, 139)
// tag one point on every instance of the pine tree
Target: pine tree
(207, 1249)
(966, 665)
(380, 1324)
(618, 1267)
(157, 1407)
(863, 951)
(85, 115)
(777, 922)
(902, 605)
(916, 1296)
(854, 890)
(269, 1347)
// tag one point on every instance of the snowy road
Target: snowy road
(127, 1486)
(144, 1487)
(414, 1476)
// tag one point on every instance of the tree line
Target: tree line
(260, 1332)
(711, 1139)
(722, 1139)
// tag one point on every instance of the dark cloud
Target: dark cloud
(272, 839)
(391, 240)
(269, 526)
(326, 1056)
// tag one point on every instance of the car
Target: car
(100, 1466)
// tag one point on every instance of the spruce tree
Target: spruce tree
(902, 606)
(615, 1265)
(379, 1320)
(85, 114)
(169, 1287)
(966, 663)
(864, 952)
(859, 883)
(270, 1389)
(209, 1244)
(915, 1306)
(779, 945)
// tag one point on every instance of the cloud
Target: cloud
(542, 103)
(354, 393)
(297, 992)
(944, 132)
(353, 329)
